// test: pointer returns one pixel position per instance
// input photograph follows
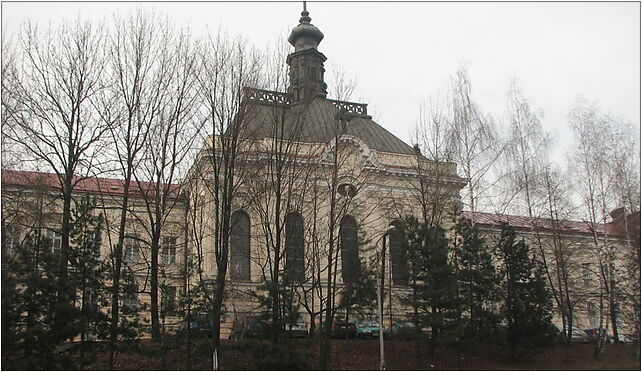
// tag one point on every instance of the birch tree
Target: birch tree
(474, 141)
(534, 190)
(594, 182)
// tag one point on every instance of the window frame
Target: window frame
(239, 262)
(131, 240)
(168, 246)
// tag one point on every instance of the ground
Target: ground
(354, 355)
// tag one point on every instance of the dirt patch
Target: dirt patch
(359, 355)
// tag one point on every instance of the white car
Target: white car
(298, 329)
(577, 335)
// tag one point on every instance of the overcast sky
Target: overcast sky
(404, 53)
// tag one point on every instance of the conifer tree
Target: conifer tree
(28, 304)
(88, 272)
(478, 283)
(526, 300)
(359, 295)
(30, 289)
(434, 282)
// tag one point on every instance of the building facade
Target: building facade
(317, 186)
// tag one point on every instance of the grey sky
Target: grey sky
(403, 53)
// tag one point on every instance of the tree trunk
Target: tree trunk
(613, 313)
(154, 287)
(65, 295)
(118, 253)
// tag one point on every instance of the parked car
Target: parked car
(340, 330)
(199, 326)
(298, 329)
(594, 333)
(627, 338)
(577, 335)
(367, 328)
(402, 331)
(253, 327)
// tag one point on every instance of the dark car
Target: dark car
(594, 333)
(340, 330)
(254, 327)
(199, 326)
(402, 331)
(577, 335)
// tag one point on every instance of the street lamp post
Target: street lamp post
(382, 360)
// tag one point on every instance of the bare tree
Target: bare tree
(435, 165)
(225, 67)
(138, 88)
(169, 146)
(343, 183)
(625, 167)
(559, 256)
(474, 141)
(10, 102)
(592, 170)
(429, 186)
(53, 114)
(532, 188)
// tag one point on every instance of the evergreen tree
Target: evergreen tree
(526, 300)
(433, 281)
(360, 295)
(478, 283)
(29, 300)
(30, 292)
(88, 273)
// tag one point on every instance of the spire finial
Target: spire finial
(305, 20)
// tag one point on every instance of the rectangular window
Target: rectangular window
(90, 299)
(168, 250)
(169, 301)
(130, 302)
(132, 249)
(55, 240)
(592, 314)
(93, 240)
(9, 238)
(586, 274)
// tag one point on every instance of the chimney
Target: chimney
(618, 213)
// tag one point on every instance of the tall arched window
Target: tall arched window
(240, 246)
(294, 247)
(348, 241)
(398, 254)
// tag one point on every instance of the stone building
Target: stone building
(317, 186)
(31, 203)
(571, 251)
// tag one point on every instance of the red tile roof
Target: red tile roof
(493, 220)
(111, 186)
(92, 185)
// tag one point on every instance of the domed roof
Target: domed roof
(305, 35)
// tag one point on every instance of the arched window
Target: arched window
(348, 241)
(240, 246)
(398, 254)
(294, 247)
